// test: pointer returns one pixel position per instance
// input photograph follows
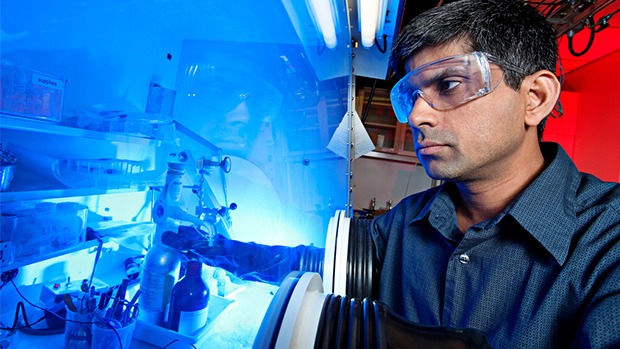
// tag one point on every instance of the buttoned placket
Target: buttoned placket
(464, 258)
(459, 269)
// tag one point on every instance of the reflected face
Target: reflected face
(229, 131)
(473, 140)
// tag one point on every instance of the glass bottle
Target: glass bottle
(189, 305)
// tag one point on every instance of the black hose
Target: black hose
(370, 97)
(362, 272)
(352, 323)
(590, 41)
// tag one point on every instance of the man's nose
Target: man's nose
(422, 114)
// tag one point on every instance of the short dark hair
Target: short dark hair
(512, 31)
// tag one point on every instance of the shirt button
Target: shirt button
(464, 259)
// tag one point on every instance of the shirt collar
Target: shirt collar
(437, 195)
(545, 209)
(439, 210)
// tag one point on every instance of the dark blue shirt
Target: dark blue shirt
(545, 273)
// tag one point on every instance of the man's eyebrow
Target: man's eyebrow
(438, 74)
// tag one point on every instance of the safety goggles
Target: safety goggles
(447, 83)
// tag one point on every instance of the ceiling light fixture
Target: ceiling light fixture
(326, 19)
(371, 17)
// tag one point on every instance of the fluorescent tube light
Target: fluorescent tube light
(371, 15)
(324, 18)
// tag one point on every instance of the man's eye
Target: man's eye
(446, 86)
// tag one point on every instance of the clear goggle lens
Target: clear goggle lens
(444, 84)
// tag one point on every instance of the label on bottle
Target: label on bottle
(156, 289)
(191, 322)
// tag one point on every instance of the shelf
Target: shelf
(10, 122)
(39, 258)
(398, 141)
(392, 157)
(26, 195)
(381, 125)
(381, 97)
(68, 161)
(109, 235)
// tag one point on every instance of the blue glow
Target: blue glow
(250, 77)
(215, 55)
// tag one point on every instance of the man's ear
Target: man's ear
(542, 90)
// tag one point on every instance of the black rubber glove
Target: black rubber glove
(247, 260)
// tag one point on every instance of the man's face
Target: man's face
(472, 141)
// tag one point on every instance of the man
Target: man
(515, 242)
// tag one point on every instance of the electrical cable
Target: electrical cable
(7, 276)
(602, 23)
(26, 324)
(384, 48)
(56, 315)
(176, 340)
(590, 42)
(370, 97)
(118, 336)
(320, 47)
(34, 305)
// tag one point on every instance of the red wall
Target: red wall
(563, 130)
(590, 129)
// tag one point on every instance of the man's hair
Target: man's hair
(511, 31)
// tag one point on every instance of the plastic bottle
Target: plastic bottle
(189, 306)
(160, 268)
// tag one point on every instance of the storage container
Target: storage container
(48, 227)
(29, 93)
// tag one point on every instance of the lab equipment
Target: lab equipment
(78, 334)
(189, 305)
(302, 316)
(112, 147)
(112, 336)
(47, 227)
(161, 264)
(7, 168)
(29, 93)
